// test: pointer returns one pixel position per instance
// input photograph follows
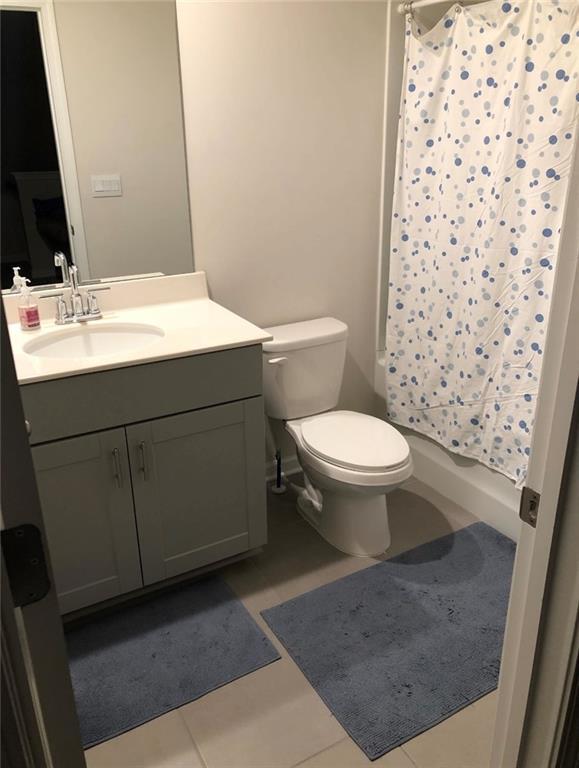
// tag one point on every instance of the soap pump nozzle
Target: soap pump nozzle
(25, 290)
(18, 282)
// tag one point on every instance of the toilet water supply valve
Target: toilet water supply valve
(308, 496)
(279, 486)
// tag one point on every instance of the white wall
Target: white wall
(285, 131)
(121, 72)
(283, 108)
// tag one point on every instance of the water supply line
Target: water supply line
(281, 484)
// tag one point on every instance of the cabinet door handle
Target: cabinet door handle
(143, 464)
(118, 472)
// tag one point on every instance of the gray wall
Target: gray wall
(121, 72)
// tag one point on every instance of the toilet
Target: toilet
(350, 460)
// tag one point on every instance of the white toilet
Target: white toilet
(350, 460)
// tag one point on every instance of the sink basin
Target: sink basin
(93, 340)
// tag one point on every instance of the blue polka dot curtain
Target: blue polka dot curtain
(486, 138)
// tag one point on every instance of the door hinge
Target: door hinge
(529, 509)
(25, 564)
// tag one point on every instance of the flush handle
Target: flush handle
(276, 360)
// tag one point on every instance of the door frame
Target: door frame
(553, 420)
(41, 693)
(555, 684)
(44, 10)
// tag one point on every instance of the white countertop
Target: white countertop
(191, 322)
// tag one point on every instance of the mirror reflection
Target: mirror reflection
(93, 156)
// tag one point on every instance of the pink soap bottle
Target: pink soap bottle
(28, 308)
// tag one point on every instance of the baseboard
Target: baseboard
(488, 495)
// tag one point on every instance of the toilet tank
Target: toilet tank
(303, 366)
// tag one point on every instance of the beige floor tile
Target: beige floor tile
(161, 743)
(415, 520)
(449, 508)
(310, 569)
(462, 741)
(346, 754)
(251, 586)
(297, 559)
(271, 718)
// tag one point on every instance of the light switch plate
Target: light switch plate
(106, 185)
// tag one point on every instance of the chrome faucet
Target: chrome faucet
(61, 261)
(77, 311)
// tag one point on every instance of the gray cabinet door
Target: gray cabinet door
(87, 505)
(198, 483)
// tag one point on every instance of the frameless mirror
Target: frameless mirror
(93, 151)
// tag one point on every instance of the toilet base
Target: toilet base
(356, 525)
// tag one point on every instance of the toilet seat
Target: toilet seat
(355, 441)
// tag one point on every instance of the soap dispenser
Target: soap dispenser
(28, 308)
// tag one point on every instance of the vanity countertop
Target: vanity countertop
(185, 321)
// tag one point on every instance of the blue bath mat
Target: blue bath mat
(139, 662)
(400, 646)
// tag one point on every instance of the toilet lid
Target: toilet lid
(355, 441)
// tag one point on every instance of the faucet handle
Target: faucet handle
(92, 304)
(62, 313)
(61, 310)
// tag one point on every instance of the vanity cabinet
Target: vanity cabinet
(176, 483)
(197, 487)
(87, 507)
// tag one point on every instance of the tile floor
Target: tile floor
(273, 718)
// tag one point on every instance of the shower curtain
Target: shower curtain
(486, 138)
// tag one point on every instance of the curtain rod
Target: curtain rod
(410, 5)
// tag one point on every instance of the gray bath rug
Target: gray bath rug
(400, 646)
(139, 662)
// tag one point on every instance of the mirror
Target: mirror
(93, 150)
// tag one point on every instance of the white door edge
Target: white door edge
(558, 383)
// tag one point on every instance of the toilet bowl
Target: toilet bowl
(350, 460)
